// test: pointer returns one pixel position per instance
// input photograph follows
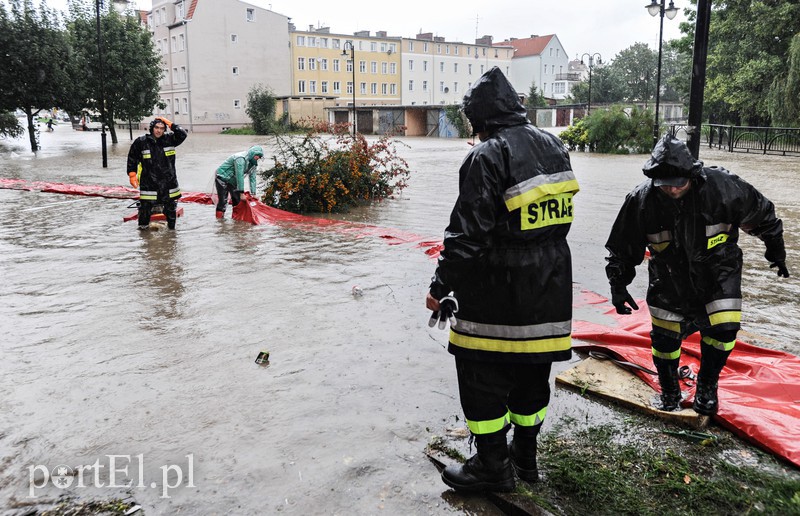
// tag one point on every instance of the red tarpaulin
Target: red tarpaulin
(759, 389)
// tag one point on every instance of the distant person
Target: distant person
(230, 177)
(689, 217)
(506, 270)
(50, 124)
(158, 180)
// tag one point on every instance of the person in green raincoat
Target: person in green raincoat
(230, 177)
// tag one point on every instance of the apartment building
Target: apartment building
(539, 60)
(436, 71)
(213, 53)
(331, 71)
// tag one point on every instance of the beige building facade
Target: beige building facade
(213, 53)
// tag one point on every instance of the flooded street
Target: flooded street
(142, 345)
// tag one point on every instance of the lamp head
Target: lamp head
(654, 8)
(671, 11)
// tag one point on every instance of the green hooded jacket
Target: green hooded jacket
(234, 168)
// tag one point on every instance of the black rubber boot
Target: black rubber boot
(488, 470)
(669, 381)
(522, 452)
(712, 361)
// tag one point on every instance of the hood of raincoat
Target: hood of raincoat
(670, 161)
(492, 103)
(252, 152)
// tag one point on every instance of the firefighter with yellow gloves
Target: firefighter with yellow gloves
(153, 154)
(504, 282)
(689, 217)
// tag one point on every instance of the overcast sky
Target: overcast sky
(604, 26)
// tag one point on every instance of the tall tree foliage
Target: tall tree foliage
(32, 61)
(535, 98)
(131, 67)
(636, 68)
(784, 99)
(748, 48)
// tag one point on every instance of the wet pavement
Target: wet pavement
(142, 345)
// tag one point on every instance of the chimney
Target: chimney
(380, 33)
(486, 40)
(362, 34)
(425, 36)
(534, 36)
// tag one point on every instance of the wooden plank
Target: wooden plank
(607, 380)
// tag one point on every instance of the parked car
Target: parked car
(90, 124)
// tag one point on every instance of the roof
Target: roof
(527, 46)
(190, 11)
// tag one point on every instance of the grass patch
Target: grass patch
(75, 508)
(239, 130)
(591, 470)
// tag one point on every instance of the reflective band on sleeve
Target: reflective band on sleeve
(674, 327)
(722, 346)
(511, 346)
(720, 305)
(530, 331)
(148, 195)
(547, 211)
(169, 153)
(488, 427)
(175, 192)
(667, 356)
(532, 420)
(725, 317)
(719, 239)
(666, 315)
(537, 187)
(717, 229)
(657, 238)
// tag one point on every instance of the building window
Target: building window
(424, 66)
(301, 41)
(182, 76)
(393, 68)
(383, 46)
(177, 106)
(323, 42)
(337, 87)
(392, 47)
(393, 89)
(312, 41)
(251, 15)
(362, 67)
(312, 63)
(312, 87)
(237, 104)
(301, 86)
(349, 65)
(234, 39)
(441, 66)
(447, 49)
(235, 70)
(174, 44)
(175, 74)
(438, 49)
(384, 88)
(374, 67)
(559, 87)
(424, 85)
(469, 69)
(185, 105)
(336, 43)
(384, 68)
(323, 64)
(373, 88)
(455, 50)
(301, 63)
(455, 67)
(324, 87)
(363, 88)
(373, 46)
(424, 47)
(181, 43)
(410, 85)
(410, 65)
(455, 87)
(349, 88)
(410, 46)
(441, 86)
(336, 65)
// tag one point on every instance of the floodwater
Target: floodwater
(132, 354)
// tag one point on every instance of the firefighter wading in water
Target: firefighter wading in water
(158, 181)
(507, 262)
(689, 217)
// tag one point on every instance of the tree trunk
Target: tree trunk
(32, 129)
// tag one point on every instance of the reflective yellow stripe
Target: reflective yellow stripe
(547, 211)
(725, 317)
(532, 420)
(667, 325)
(722, 346)
(531, 195)
(511, 346)
(715, 241)
(667, 356)
(488, 427)
(174, 193)
(169, 153)
(659, 247)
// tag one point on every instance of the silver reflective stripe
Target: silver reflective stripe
(146, 153)
(717, 229)
(169, 149)
(657, 238)
(501, 331)
(174, 190)
(723, 304)
(665, 315)
(148, 193)
(537, 181)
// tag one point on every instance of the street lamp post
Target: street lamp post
(353, 64)
(97, 5)
(591, 65)
(656, 8)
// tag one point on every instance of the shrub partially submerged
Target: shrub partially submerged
(330, 170)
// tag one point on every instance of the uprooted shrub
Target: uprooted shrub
(330, 170)
(616, 130)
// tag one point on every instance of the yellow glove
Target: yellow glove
(134, 179)
(166, 122)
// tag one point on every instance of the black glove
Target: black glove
(448, 306)
(782, 270)
(620, 296)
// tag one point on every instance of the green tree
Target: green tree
(261, 110)
(635, 67)
(32, 61)
(535, 98)
(784, 98)
(748, 49)
(131, 66)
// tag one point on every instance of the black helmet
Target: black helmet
(670, 162)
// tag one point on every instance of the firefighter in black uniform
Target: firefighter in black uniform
(157, 182)
(689, 217)
(507, 266)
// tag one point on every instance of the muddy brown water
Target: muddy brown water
(138, 349)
